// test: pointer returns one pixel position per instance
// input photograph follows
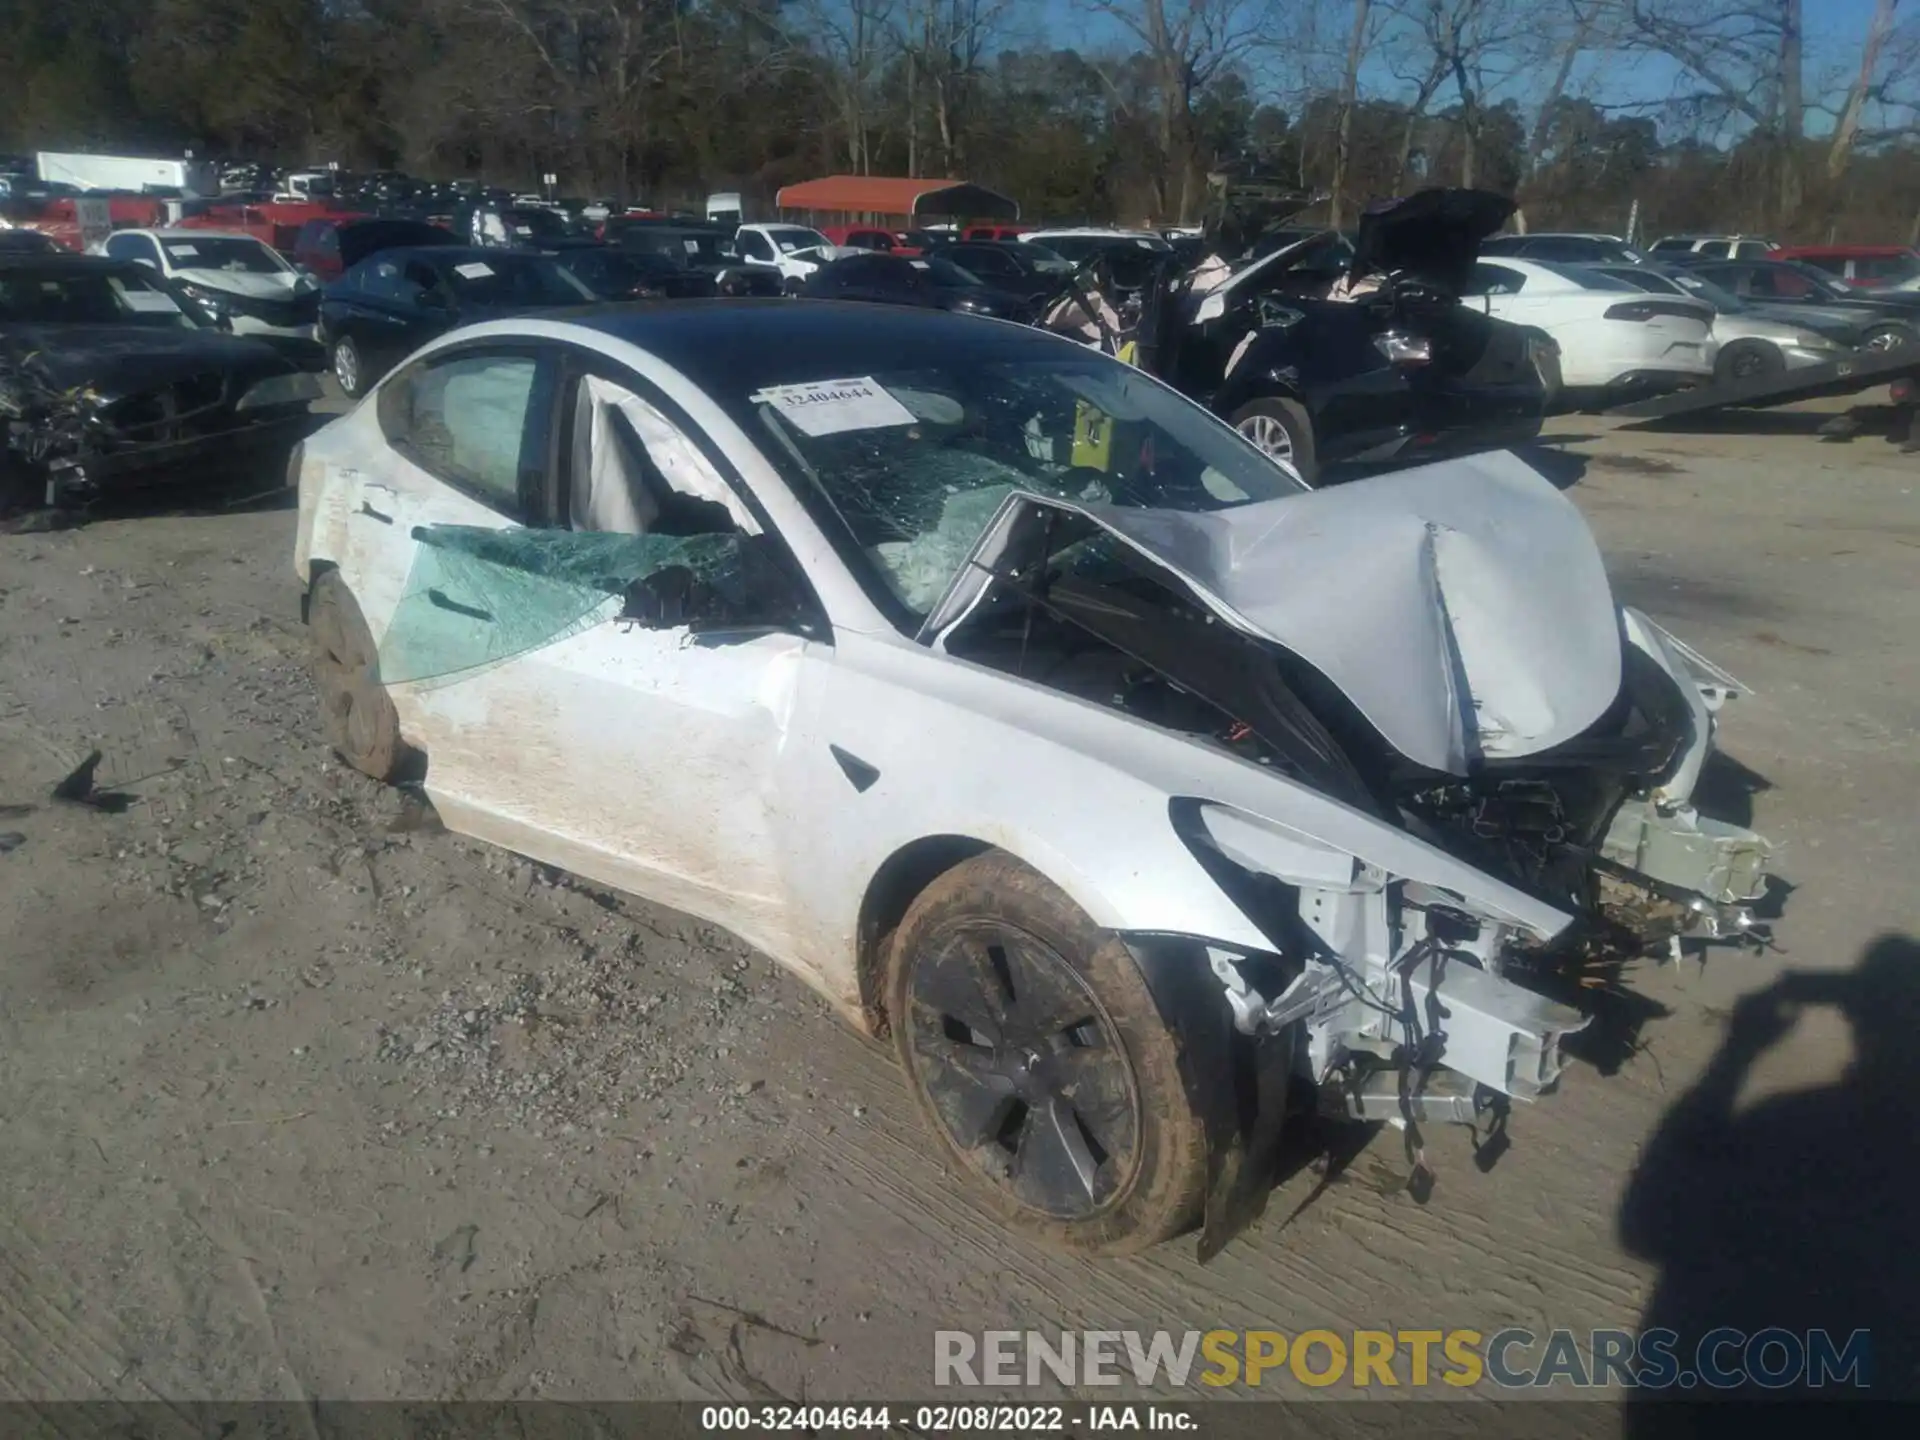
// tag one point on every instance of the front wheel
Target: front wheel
(1281, 430)
(1037, 1055)
(348, 368)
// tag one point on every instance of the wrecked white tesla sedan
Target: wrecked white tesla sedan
(1027, 712)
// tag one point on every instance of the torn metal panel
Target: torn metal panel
(1680, 847)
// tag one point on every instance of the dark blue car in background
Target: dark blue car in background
(391, 303)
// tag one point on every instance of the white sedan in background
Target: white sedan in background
(1617, 342)
(228, 279)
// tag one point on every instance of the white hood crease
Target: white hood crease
(1462, 607)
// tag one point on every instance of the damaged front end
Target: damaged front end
(1440, 653)
(70, 431)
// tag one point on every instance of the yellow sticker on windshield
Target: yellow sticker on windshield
(1092, 437)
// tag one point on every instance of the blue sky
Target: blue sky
(1835, 29)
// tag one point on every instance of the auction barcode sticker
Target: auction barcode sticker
(831, 407)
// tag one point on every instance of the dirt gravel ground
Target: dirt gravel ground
(301, 1097)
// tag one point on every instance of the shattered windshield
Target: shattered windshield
(910, 465)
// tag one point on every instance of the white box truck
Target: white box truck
(127, 172)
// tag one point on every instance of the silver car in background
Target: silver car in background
(1752, 343)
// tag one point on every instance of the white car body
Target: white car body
(1672, 345)
(778, 782)
(1145, 239)
(272, 298)
(792, 251)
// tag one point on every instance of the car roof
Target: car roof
(60, 259)
(1097, 231)
(209, 233)
(458, 252)
(732, 346)
(1865, 252)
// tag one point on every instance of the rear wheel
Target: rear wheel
(1748, 360)
(347, 367)
(1037, 1055)
(1281, 429)
(359, 717)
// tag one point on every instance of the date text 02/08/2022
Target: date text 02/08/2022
(943, 1419)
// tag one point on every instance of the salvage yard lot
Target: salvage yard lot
(301, 1097)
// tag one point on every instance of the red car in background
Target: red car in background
(333, 243)
(869, 237)
(278, 223)
(1867, 267)
(994, 232)
(59, 218)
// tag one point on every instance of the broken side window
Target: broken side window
(477, 597)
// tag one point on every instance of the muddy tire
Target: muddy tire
(1037, 1056)
(358, 717)
(1748, 360)
(1281, 429)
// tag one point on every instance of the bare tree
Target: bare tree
(944, 42)
(857, 36)
(1847, 129)
(1578, 25)
(1188, 44)
(1472, 43)
(1750, 57)
(1349, 96)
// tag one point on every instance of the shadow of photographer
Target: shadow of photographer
(1797, 1211)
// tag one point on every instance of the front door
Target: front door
(565, 720)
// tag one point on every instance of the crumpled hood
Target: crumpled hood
(119, 360)
(1462, 606)
(284, 285)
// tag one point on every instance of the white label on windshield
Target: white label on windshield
(473, 270)
(920, 264)
(182, 252)
(149, 302)
(829, 407)
(693, 246)
(523, 229)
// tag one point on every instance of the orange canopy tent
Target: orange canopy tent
(888, 195)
